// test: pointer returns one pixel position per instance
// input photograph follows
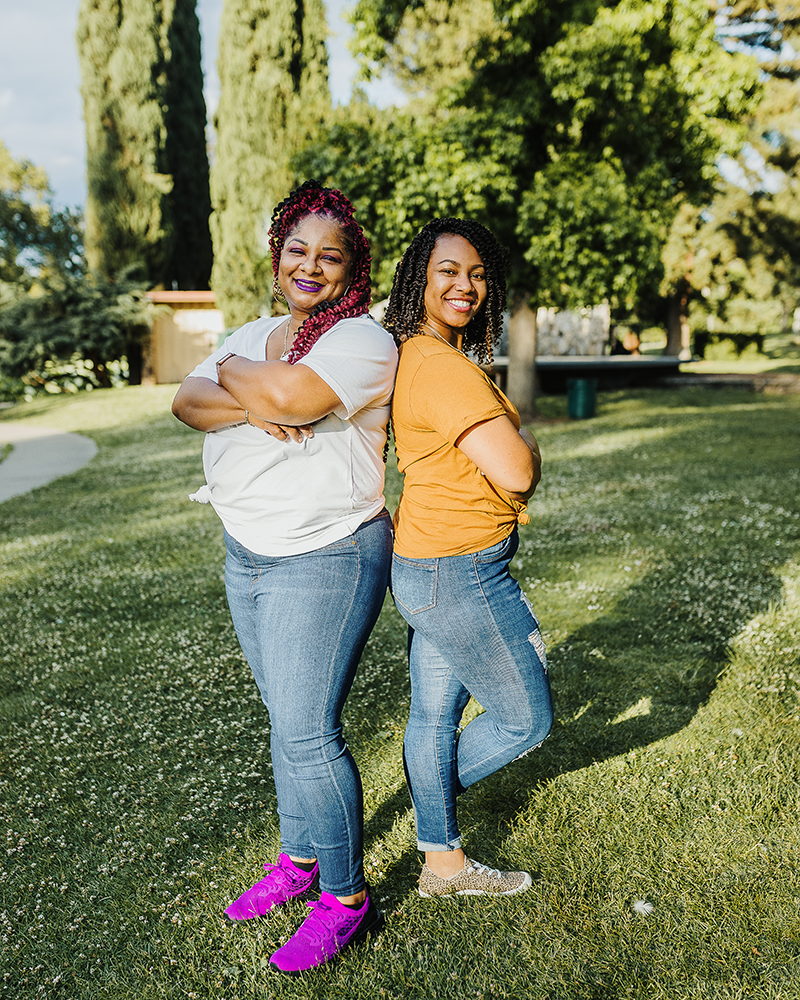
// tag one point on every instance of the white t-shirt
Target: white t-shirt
(282, 498)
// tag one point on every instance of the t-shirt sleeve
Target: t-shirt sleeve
(358, 360)
(451, 395)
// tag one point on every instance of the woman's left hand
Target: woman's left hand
(293, 395)
(509, 458)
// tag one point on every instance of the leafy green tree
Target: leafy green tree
(597, 120)
(273, 74)
(588, 126)
(57, 327)
(147, 165)
(400, 171)
(744, 247)
(772, 218)
(35, 237)
(734, 266)
(435, 45)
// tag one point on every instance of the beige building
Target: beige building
(184, 332)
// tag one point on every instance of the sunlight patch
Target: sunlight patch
(642, 707)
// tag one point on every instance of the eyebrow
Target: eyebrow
(449, 260)
(296, 239)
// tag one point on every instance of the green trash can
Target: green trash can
(581, 397)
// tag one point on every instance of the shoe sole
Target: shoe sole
(477, 892)
(361, 935)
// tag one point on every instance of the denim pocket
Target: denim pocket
(505, 549)
(413, 583)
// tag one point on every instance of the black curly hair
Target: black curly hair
(310, 198)
(406, 309)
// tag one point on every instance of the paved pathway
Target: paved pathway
(40, 454)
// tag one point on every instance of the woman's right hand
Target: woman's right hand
(283, 432)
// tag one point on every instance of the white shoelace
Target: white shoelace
(490, 872)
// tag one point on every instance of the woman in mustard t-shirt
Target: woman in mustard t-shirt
(469, 470)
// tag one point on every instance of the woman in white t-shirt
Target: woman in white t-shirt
(296, 409)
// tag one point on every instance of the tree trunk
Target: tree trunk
(133, 352)
(521, 383)
(679, 334)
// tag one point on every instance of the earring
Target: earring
(277, 291)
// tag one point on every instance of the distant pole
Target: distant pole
(521, 381)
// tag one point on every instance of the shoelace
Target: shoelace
(485, 870)
(314, 926)
(283, 875)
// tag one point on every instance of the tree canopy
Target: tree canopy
(58, 326)
(577, 134)
(70, 330)
(35, 237)
(743, 248)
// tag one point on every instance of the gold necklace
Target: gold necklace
(285, 354)
(441, 337)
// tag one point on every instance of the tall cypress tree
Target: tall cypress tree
(147, 166)
(186, 151)
(273, 70)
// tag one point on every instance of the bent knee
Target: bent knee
(531, 737)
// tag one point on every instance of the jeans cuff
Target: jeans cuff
(452, 846)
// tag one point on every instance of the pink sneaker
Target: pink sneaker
(285, 881)
(325, 933)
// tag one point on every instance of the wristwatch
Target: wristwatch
(222, 361)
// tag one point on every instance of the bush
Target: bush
(69, 333)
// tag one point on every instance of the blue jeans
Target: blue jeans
(303, 622)
(472, 631)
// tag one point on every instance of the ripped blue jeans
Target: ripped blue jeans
(471, 631)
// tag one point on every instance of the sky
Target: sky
(40, 103)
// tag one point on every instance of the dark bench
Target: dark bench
(611, 371)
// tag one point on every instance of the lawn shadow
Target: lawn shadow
(627, 680)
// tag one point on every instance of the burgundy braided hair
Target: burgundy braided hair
(307, 199)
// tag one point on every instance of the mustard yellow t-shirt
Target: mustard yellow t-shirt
(447, 506)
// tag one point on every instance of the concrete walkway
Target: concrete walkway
(40, 455)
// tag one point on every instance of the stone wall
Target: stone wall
(568, 333)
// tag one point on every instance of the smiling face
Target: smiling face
(315, 265)
(456, 287)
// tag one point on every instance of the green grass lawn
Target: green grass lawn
(781, 355)
(662, 816)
